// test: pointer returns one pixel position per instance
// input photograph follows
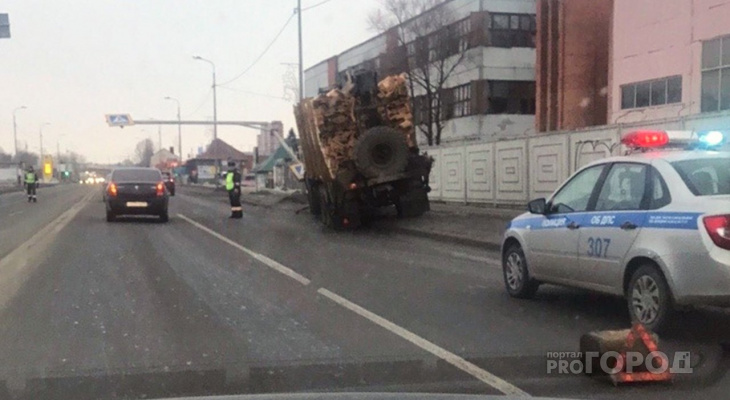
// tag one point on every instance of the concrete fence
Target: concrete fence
(513, 171)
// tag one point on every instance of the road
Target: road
(276, 303)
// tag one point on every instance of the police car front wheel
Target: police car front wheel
(649, 298)
(516, 275)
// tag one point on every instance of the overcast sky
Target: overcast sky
(73, 61)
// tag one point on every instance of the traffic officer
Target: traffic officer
(31, 182)
(233, 186)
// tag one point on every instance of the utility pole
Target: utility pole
(159, 137)
(215, 97)
(15, 130)
(179, 127)
(301, 52)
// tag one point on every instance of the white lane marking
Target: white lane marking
(17, 266)
(257, 256)
(15, 213)
(486, 260)
(471, 369)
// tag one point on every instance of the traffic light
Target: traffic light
(66, 174)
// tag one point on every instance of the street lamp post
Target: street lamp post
(215, 97)
(179, 126)
(15, 129)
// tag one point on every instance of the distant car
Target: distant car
(137, 191)
(249, 181)
(169, 182)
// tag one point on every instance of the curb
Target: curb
(443, 237)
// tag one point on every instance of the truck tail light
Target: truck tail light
(160, 189)
(718, 227)
(112, 189)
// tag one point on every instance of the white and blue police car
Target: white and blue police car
(652, 225)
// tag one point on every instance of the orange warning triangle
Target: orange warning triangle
(622, 376)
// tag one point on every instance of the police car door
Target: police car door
(552, 239)
(610, 230)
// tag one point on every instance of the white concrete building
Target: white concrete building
(490, 95)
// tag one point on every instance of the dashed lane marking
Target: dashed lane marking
(471, 369)
(257, 256)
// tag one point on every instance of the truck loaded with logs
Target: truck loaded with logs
(360, 152)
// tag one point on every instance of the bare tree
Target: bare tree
(428, 33)
(5, 157)
(144, 151)
(26, 158)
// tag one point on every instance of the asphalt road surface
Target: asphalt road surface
(276, 303)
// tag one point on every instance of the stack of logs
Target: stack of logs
(394, 105)
(335, 120)
(334, 116)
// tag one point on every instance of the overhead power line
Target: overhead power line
(315, 5)
(202, 103)
(266, 50)
(253, 93)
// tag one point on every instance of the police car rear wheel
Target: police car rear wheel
(516, 275)
(649, 298)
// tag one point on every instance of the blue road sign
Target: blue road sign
(298, 170)
(4, 26)
(119, 120)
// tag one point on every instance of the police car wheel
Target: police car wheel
(649, 298)
(517, 279)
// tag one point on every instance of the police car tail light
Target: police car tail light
(646, 139)
(718, 227)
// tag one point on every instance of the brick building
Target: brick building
(573, 57)
(490, 95)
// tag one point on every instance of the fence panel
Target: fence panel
(480, 172)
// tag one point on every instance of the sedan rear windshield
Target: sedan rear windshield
(705, 177)
(136, 175)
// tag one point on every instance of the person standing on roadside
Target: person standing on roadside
(31, 183)
(233, 186)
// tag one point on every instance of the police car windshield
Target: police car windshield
(705, 177)
(136, 175)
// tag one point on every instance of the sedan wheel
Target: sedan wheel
(516, 275)
(649, 298)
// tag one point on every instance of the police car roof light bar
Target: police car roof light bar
(645, 139)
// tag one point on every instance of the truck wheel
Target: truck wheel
(412, 204)
(313, 197)
(325, 210)
(381, 151)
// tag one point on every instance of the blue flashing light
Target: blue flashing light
(712, 138)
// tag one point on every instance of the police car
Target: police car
(653, 226)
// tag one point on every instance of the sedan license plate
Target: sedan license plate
(136, 204)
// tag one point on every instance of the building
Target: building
(267, 141)
(670, 58)
(573, 52)
(206, 167)
(490, 94)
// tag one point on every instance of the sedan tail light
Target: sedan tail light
(718, 227)
(160, 189)
(112, 189)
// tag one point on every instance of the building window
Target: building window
(458, 102)
(716, 74)
(652, 93)
(512, 30)
(463, 30)
(511, 97)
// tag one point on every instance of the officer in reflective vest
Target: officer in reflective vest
(233, 186)
(31, 182)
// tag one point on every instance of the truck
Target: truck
(360, 152)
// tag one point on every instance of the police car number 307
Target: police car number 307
(652, 225)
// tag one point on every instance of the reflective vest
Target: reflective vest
(229, 181)
(30, 177)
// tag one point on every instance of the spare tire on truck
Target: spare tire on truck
(381, 151)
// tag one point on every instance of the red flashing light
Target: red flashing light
(112, 189)
(646, 139)
(353, 186)
(718, 227)
(160, 189)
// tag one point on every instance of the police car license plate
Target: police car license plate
(136, 204)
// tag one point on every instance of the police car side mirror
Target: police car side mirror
(537, 206)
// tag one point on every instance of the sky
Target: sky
(71, 62)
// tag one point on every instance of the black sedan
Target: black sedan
(137, 191)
